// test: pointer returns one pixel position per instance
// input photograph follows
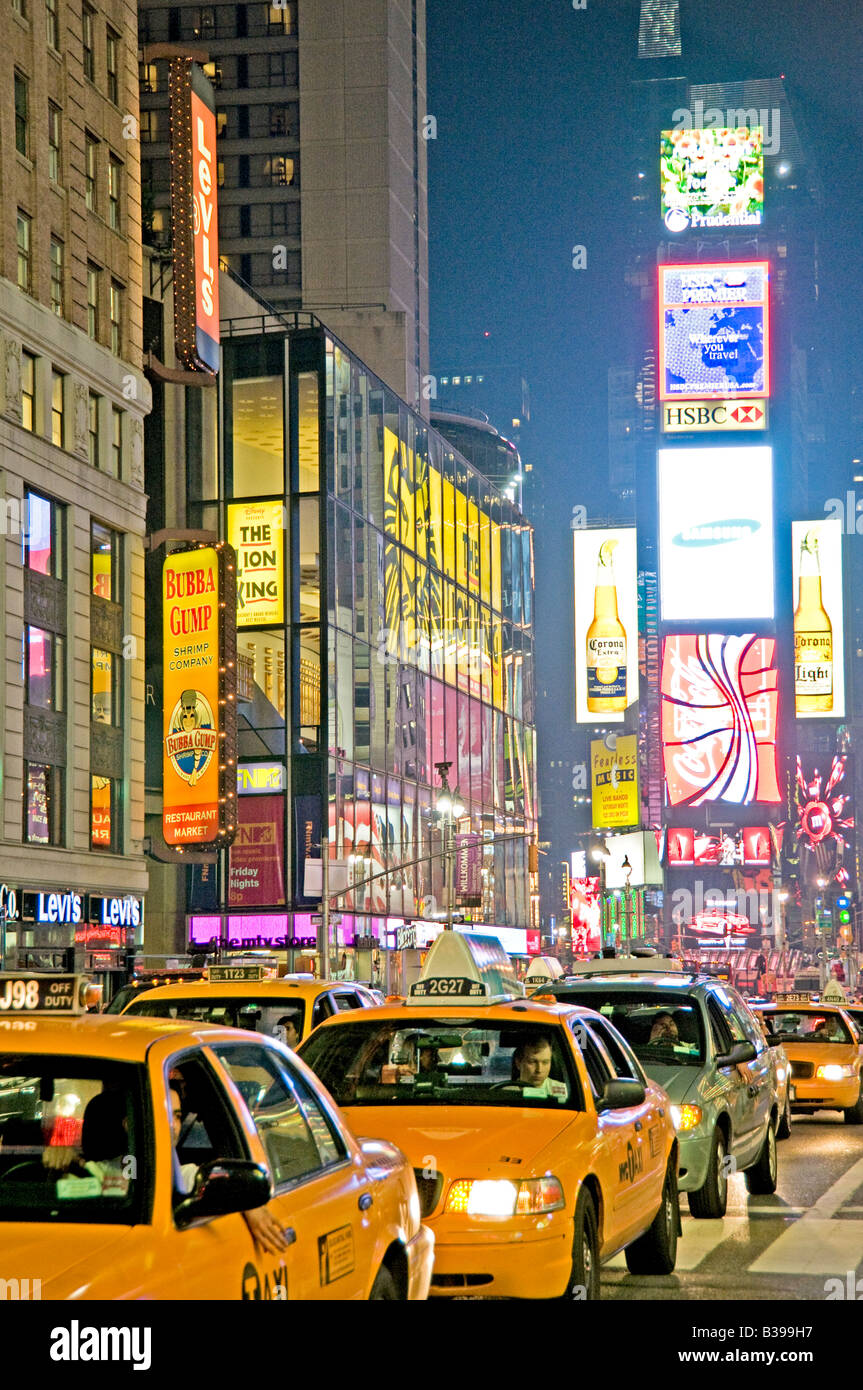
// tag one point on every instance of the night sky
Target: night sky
(531, 99)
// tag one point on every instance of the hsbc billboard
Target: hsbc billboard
(699, 417)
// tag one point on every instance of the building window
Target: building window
(221, 123)
(279, 169)
(21, 113)
(112, 49)
(28, 390)
(57, 431)
(116, 441)
(281, 120)
(213, 70)
(104, 818)
(279, 19)
(149, 127)
(282, 69)
(44, 668)
(87, 31)
(20, 8)
(116, 309)
(53, 142)
(53, 25)
(93, 402)
(149, 78)
(115, 167)
(43, 538)
(91, 146)
(93, 274)
(205, 22)
(25, 263)
(43, 804)
(57, 276)
(104, 691)
(104, 562)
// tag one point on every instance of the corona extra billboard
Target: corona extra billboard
(194, 216)
(606, 624)
(199, 729)
(614, 781)
(256, 531)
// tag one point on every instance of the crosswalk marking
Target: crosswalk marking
(820, 1246)
(699, 1239)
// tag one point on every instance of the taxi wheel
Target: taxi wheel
(761, 1178)
(854, 1115)
(784, 1129)
(384, 1289)
(656, 1251)
(711, 1199)
(584, 1277)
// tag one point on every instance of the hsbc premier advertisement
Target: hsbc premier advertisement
(714, 331)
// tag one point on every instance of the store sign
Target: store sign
(714, 331)
(116, 912)
(194, 216)
(8, 903)
(606, 624)
(719, 699)
(199, 717)
(54, 909)
(614, 781)
(699, 417)
(468, 870)
(819, 626)
(256, 779)
(256, 531)
(716, 533)
(712, 178)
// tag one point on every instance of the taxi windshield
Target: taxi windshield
(812, 1026)
(256, 1015)
(663, 1029)
(70, 1140)
(428, 1061)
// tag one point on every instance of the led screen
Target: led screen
(712, 178)
(819, 665)
(713, 331)
(716, 534)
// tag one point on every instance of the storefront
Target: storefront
(97, 933)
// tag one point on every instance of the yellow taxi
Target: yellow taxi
(539, 1145)
(823, 1048)
(144, 1159)
(246, 996)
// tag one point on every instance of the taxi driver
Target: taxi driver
(532, 1063)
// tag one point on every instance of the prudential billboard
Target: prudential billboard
(716, 534)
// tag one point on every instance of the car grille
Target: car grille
(429, 1190)
(802, 1071)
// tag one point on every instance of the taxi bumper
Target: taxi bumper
(824, 1095)
(695, 1152)
(420, 1255)
(504, 1269)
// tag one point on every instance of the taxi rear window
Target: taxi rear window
(811, 1026)
(257, 1015)
(428, 1061)
(71, 1140)
(662, 1029)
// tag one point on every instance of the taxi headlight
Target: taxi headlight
(834, 1072)
(499, 1197)
(686, 1116)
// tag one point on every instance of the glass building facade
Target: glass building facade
(385, 624)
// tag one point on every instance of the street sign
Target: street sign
(318, 920)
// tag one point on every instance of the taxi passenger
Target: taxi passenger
(828, 1030)
(286, 1031)
(664, 1029)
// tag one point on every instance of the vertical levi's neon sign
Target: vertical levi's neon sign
(194, 216)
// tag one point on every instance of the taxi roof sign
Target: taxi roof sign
(543, 968)
(240, 972)
(466, 967)
(29, 994)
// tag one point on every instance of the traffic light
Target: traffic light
(843, 919)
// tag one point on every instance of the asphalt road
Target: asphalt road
(787, 1246)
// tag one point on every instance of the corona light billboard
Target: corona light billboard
(194, 216)
(614, 781)
(819, 635)
(256, 531)
(606, 624)
(199, 730)
(714, 331)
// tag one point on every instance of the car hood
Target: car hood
(51, 1252)
(677, 1082)
(474, 1140)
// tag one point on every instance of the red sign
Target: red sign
(719, 705)
(194, 216)
(206, 232)
(257, 860)
(584, 901)
(534, 942)
(751, 845)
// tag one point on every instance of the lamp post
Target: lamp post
(449, 807)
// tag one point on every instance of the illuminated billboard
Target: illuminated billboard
(750, 845)
(712, 178)
(716, 533)
(719, 698)
(706, 417)
(819, 636)
(256, 532)
(194, 216)
(199, 731)
(714, 331)
(606, 624)
(614, 781)
(586, 912)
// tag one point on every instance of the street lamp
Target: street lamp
(450, 808)
(600, 853)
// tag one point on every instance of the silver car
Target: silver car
(698, 1038)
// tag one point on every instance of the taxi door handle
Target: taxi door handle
(290, 1235)
(365, 1201)
(638, 1126)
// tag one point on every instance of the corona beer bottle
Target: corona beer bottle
(606, 641)
(813, 636)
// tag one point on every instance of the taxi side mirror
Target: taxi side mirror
(222, 1187)
(619, 1095)
(740, 1052)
